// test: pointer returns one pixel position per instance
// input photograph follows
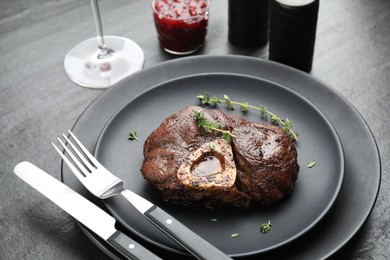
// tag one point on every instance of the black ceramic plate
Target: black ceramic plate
(361, 178)
(314, 193)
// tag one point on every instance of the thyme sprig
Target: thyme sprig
(209, 126)
(286, 124)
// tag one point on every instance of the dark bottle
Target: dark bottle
(293, 25)
(248, 23)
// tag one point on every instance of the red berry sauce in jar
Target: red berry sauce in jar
(181, 24)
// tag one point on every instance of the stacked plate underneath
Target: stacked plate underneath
(322, 197)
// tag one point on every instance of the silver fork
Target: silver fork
(103, 184)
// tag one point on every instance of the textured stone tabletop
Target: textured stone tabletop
(38, 102)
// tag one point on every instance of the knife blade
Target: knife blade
(82, 209)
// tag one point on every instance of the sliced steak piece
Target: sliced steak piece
(267, 161)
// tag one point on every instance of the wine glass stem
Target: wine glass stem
(99, 29)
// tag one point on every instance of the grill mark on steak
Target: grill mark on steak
(264, 157)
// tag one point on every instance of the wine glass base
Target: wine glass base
(84, 66)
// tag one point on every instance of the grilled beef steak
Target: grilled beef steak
(192, 167)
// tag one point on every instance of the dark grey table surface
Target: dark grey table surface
(38, 102)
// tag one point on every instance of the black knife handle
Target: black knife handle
(130, 248)
(194, 244)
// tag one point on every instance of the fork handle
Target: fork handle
(192, 242)
(130, 248)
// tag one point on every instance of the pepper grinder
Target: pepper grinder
(248, 23)
(293, 25)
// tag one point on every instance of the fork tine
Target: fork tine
(67, 161)
(90, 166)
(85, 151)
(74, 159)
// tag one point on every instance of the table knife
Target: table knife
(83, 210)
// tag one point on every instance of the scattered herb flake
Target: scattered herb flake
(212, 146)
(234, 235)
(265, 227)
(133, 136)
(310, 164)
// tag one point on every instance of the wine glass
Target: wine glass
(102, 61)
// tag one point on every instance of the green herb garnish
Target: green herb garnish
(209, 126)
(133, 136)
(286, 124)
(234, 235)
(265, 227)
(310, 164)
